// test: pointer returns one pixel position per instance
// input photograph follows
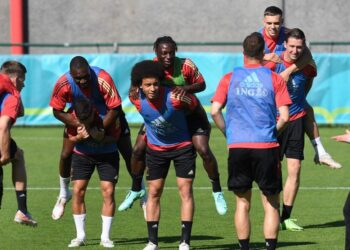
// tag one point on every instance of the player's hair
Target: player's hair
(273, 11)
(146, 68)
(13, 68)
(162, 40)
(254, 45)
(83, 108)
(78, 62)
(297, 34)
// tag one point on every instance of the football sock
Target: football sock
(286, 212)
(106, 227)
(244, 244)
(215, 183)
(79, 220)
(318, 146)
(186, 228)
(271, 244)
(64, 186)
(136, 183)
(22, 201)
(152, 227)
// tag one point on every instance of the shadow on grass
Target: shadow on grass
(163, 239)
(339, 223)
(256, 246)
(194, 245)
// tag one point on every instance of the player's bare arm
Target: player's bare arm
(216, 114)
(66, 118)
(283, 118)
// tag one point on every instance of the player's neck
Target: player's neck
(252, 60)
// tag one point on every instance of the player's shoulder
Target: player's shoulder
(62, 80)
(9, 98)
(227, 76)
(103, 75)
(188, 62)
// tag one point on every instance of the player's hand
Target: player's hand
(343, 138)
(82, 133)
(178, 91)
(4, 159)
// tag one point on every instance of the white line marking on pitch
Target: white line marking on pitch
(175, 188)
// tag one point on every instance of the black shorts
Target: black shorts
(158, 163)
(292, 140)
(198, 124)
(107, 166)
(246, 165)
(124, 125)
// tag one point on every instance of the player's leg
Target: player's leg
(158, 166)
(187, 210)
(292, 145)
(185, 168)
(266, 169)
(199, 128)
(240, 181)
(242, 221)
(290, 191)
(108, 170)
(155, 190)
(82, 169)
(79, 212)
(137, 166)
(65, 172)
(271, 219)
(311, 129)
(19, 180)
(346, 212)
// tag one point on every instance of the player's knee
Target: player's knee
(108, 193)
(138, 152)
(154, 193)
(186, 195)
(79, 193)
(204, 151)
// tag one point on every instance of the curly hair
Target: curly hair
(146, 68)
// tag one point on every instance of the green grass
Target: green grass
(318, 207)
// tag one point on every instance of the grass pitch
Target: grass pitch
(318, 206)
